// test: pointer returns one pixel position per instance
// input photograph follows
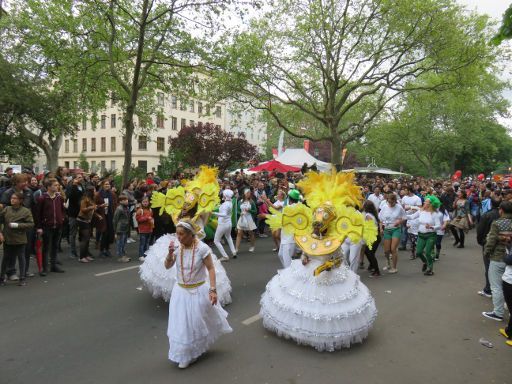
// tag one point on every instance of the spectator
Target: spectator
(129, 192)
(84, 222)
(121, 224)
(49, 220)
(462, 219)
(507, 293)
(16, 221)
(75, 191)
(376, 198)
(5, 180)
(144, 217)
(106, 203)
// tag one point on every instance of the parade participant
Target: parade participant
(287, 246)
(277, 205)
(391, 216)
(429, 224)
(444, 218)
(318, 301)
(195, 319)
(224, 225)
(370, 213)
(195, 202)
(245, 223)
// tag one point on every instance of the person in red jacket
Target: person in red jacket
(49, 219)
(144, 217)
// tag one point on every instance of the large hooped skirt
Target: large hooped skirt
(160, 281)
(331, 311)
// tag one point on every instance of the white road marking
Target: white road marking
(252, 319)
(116, 270)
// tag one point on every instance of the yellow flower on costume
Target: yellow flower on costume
(172, 202)
(294, 219)
(208, 198)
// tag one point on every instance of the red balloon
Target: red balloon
(510, 182)
(458, 173)
(481, 176)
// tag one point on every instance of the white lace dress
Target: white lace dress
(160, 281)
(194, 323)
(330, 311)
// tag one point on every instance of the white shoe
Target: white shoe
(142, 258)
(224, 258)
(263, 236)
(251, 249)
(130, 240)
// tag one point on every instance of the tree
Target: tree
(211, 145)
(325, 70)
(505, 31)
(83, 163)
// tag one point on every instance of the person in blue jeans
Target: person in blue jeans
(121, 227)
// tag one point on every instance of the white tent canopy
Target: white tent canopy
(376, 170)
(296, 157)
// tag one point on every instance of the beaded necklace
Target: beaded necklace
(191, 264)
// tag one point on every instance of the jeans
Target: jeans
(507, 292)
(13, 252)
(424, 248)
(84, 236)
(496, 271)
(487, 261)
(404, 237)
(121, 243)
(73, 230)
(143, 243)
(51, 238)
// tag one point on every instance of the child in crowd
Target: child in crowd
(121, 228)
(144, 217)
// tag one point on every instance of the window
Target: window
(192, 122)
(103, 165)
(66, 146)
(183, 105)
(199, 108)
(218, 112)
(174, 123)
(160, 121)
(103, 144)
(66, 164)
(143, 143)
(84, 145)
(143, 165)
(75, 146)
(113, 99)
(183, 123)
(113, 120)
(84, 123)
(174, 102)
(112, 165)
(93, 144)
(112, 144)
(192, 106)
(103, 121)
(93, 166)
(160, 99)
(160, 144)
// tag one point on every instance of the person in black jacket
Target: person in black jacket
(74, 193)
(483, 228)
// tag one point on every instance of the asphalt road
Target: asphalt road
(78, 327)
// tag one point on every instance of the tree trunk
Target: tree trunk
(336, 150)
(129, 129)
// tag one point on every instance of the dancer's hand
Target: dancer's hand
(213, 296)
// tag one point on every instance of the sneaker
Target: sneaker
(429, 272)
(484, 294)
(90, 258)
(83, 260)
(22, 283)
(224, 259)
(130, 240)
(392, 270)
(142, 258)
(492, 316)
(262, 235)
(124, 259)
(235, 255)
(504, 333)
(29, 274)
(375, 274)
(13, 278)
(251, 249)
(275, 249)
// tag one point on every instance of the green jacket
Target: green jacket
(495, 245)
(22, 216)
(121, 220)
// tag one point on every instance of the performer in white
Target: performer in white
(224, 225)
(195, 319)
(195, 202)
(317, 300)
(287, 246)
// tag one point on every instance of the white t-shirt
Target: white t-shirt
(224, 213)
(431, 219)
(443, 218)
(376, 200)
(389, 215)
(196, 272)
(279, 205)
(413, 222)
(507, 276)
(411, 201)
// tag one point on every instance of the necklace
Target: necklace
(191, 264)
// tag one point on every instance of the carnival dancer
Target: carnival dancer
(196, 321)
(318, 301)
(429, 224)
(287, 246)
(224, 225)
(195, 201)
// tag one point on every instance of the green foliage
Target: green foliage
(505, 31)
(83, 163)
(170, 164)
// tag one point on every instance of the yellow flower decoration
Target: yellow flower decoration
(349, 223)
(294, 219)
(208, 198)
(172, 202)
(370, 233)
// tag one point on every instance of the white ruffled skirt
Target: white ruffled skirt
(328, 312)
(160, 281)
(194, 323)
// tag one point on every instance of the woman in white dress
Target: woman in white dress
(317, 300)
(194, 202)
(195, 319)
(278, 206)
(245, 222)
(224, 225)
